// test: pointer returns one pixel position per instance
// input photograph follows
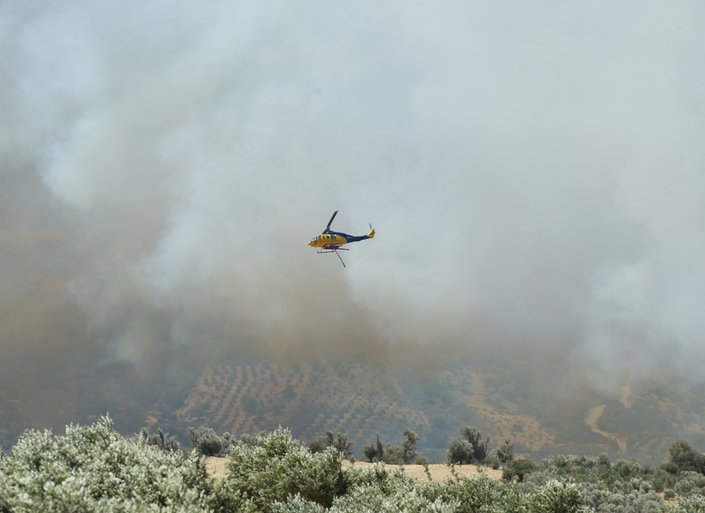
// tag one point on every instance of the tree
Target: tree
(684, 457)
(370, 452)
(374, 452)
(338, 441)
(160, 439)
(207, 442)
(408, 446)
(460, 452)
(379, 447)
(505, 452)
(470, 448)
(474, 437)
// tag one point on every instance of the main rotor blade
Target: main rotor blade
(331, 220)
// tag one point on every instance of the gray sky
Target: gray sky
(535, 172)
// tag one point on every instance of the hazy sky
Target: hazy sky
(535, 172)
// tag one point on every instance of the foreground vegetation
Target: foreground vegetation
(95, 469)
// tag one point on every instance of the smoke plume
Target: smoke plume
(535, 173)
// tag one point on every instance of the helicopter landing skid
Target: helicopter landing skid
(336, 253)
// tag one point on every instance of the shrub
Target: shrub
(690, 483)
(684, 457)
(207, 442)
(375, 490)
(691, 504)
(517, 469)
(402, 454)
(394, 455)
(627, 469)
(460, 452)
(160, 439)
(470, 495)
(401, 500)
(94, 469)
(601, 500)
(298, 504)
(278, 467)
(556, 497)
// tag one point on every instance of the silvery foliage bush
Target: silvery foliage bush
(298, 504)
(470, 495)
(556, 497)
(375, 489)
(690, 504)
(369, 499)
(94, 469)
(274, 467)
(690, 483)
(601, 500)
(583, 468)
(207, 442)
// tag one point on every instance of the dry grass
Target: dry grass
(218, 468)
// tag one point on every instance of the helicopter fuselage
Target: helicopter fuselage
(332, 240)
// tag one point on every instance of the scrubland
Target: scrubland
(95, 469)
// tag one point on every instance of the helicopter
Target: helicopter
(331, 242)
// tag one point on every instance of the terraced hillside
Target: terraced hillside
(360, 400)
(640, 419)
(364, 398)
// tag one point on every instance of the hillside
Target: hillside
(364, 398)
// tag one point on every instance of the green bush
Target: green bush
(470, 495)
(690, 483)
(277, 467)
(94, 469)
(298, 504)
(207, 442)
(376, 490)
(691, 504)
(517, 469)
(684, 457)
(160, 439)
(556, 497)
(371, 500)
(460, 452)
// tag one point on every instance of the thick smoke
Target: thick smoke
(536, 175)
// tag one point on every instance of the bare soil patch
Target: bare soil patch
(218, 468)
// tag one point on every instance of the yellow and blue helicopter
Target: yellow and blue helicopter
(331, 242)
